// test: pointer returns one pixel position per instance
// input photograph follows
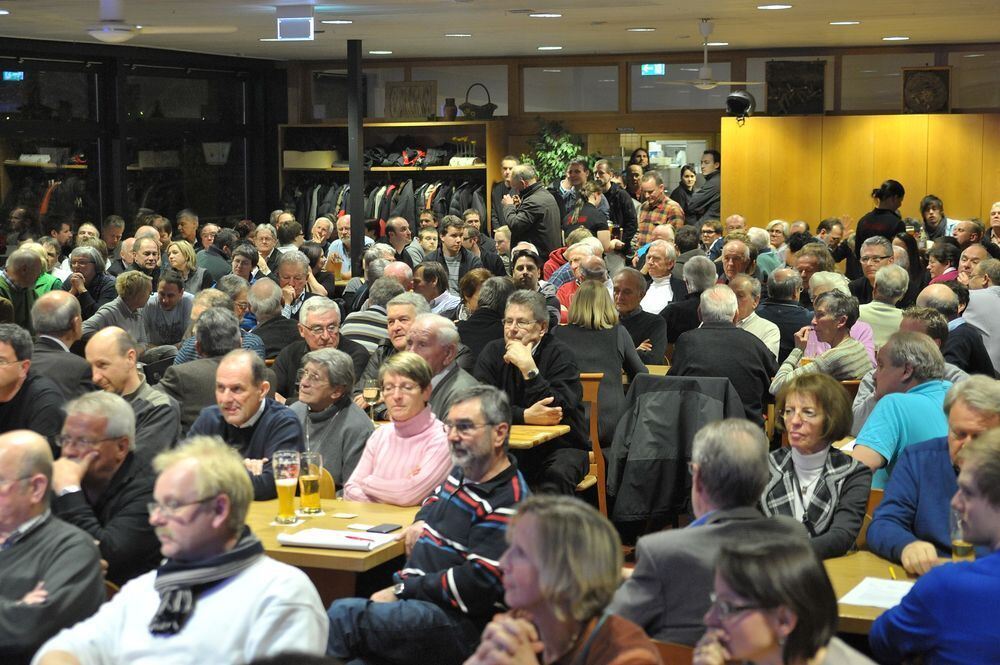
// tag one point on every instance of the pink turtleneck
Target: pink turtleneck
(402, 462)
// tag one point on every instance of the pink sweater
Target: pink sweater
(402, 462)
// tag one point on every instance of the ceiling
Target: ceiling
(417, 28)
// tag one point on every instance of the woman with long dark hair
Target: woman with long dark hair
(682, 193)
(884, 219)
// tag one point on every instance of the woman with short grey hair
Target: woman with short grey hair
(89, 281)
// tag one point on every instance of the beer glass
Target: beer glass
(310, 471)
(370, 393)
(961, 549)
(285, 464)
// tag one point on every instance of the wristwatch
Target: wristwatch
(398, 589)
(532, 373)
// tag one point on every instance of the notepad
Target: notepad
(876, 592)
(335, 540)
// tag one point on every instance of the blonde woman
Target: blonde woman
(560, 571)
(181, 257)
(600, 344)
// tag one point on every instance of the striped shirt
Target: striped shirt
(845, 362)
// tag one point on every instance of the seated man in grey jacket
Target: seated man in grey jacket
(668, 593)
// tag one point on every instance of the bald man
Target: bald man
(112, 354)
(50, 572)
(59, 325)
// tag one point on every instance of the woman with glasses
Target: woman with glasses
(773, 604)
(560, 570)
(404, 460)
(811, 481)
(181, 257)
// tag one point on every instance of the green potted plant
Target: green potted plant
(551, 149)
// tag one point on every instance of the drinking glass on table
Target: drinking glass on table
(370, 393)
(310, 471)
(961, 549)
(286, 473)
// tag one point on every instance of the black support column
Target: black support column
(355, 154)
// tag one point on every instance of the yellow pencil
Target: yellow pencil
(892, 572)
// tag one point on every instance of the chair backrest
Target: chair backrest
(591, 382)
(327, 488)
(672, 653)
(851, 385)
(874, 498)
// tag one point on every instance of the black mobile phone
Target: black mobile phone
(384, 528)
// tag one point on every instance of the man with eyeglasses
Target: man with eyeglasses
(876, 252)
(248, 420)
(217, 594)
(450, 584)
(319, 326)
(541, 376)
(100, 486)
(215, 298)
(668, 592)
(27, 399)
(50, 573)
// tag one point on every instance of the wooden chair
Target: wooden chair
(658, 370)
(674, 654)
(327, 488)
(852, 387)
(270, 362)
(110, 589)
(874, 498)
(596, 473)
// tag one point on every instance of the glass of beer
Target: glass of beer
(310, 470)
(961, 549)
(370, 393)
(286, 474)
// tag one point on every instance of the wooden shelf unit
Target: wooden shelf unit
(490, 137)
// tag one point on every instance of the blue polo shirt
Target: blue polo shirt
(901, 419)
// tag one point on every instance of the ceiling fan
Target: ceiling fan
(111, 27)
(705, 80)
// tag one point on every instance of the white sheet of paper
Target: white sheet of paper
(849, 446)
(875, 592)
(358, 526)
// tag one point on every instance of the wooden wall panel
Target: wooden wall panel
(796, 146)
(955, 145)
(848, 165)
(991, 166)
(900, 154)
(746, 170)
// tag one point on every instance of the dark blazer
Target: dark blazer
(965, 349)
(484, 326)
(667, 594)
(68, 371)
(681, 316)
(722, 349)
(790, 317)
(288, 362)
(492, 262)
(276, 334)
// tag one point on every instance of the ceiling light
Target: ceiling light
(895, 39)
(379, 52)
(845, 22)
(112, 33)
(689, 69)
(271, 39)
(458, 34)
(774, 6)
(338, 21)
(552, 71)
(550, 48)
(545, 15)
(718, 43)
(974, 55)
(640, 30)
(3, 12)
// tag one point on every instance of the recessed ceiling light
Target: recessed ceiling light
(689, 69)
(458, 34)
(640, 30)
(607, 81)
(550, 48)
(338, 21)
(974, 55)
(845, 22)
(718, 43)
(895, 39)
(4, 12)
(552, 71)
(774, 6)
(379, 52)
(545, 15)
(270, 39)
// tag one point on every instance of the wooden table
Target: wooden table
(525, 437)
(846, 572)
(336, 573)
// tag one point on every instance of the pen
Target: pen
(372, 540)
(892, 572)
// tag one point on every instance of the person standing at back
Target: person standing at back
(884, 219)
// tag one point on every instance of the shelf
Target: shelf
(390, 169)
(52, 167)
(400, 123)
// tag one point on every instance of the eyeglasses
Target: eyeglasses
(64, 441)
(330, 329)
(242, 305)
(727, 609)
(4, 363)
(873, 259)
(519, 324)
(388, 388)
(464, 427)
(169, 510)
(312, 376)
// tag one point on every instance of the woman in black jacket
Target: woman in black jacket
(884, 220)
(682, 193)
